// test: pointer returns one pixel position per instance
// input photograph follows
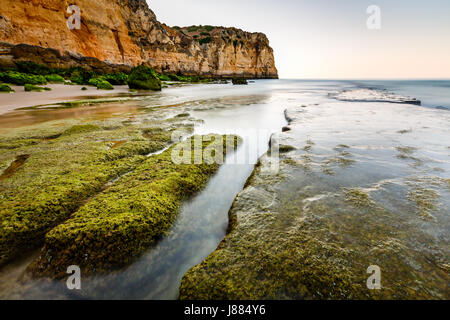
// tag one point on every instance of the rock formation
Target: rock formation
(125, 33)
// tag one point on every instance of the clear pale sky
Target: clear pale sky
(329, 39)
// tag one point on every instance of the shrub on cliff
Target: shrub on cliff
(5, 88)
(21, 79)
(193, 28)
(205, 40)
(144, 78)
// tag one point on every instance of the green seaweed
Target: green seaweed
(116, 78)
(237, 81)
(358, 198)
(425, 200)
(55, 78)
(144, 78)
(30, 87)
(117, 225)
(286, 148)
(183, 115)
(101, 84)
(406, 150)
(21, 79)
(5, 88)
(61, 173)
(32, 68)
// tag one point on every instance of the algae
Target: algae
(30, 87)
(358, 198)
(66, 166)
(120, 223)
(286, 148)
(240, 82)
(5, 88)
(144, 78)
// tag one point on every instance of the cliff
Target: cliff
(125, 33)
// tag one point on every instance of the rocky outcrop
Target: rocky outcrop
(126, 33)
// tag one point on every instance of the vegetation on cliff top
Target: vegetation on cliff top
(117, 225)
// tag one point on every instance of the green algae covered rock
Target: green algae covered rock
(279, 250)
(30, 87)
(18, 78)
(63, 170)
(5, 88)
(119, 224)
(317, 227)
(101, 84)
(116, 78)
(144, 78)
(54, 78)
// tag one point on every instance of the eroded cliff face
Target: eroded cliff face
(127, 33)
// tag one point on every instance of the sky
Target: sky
(329, 39)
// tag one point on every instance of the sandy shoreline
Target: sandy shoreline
(60, 93)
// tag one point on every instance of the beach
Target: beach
(360, 183)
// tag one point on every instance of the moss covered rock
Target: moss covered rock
(30, 87)
(144, 78)
(101, 84)
(21, 79)
(119, 224)
(63, 169)
(240, 81)
(5, 88)
(54, 78)
(116, 78)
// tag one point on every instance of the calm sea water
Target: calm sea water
(432, 93)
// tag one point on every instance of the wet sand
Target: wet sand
(60, 93)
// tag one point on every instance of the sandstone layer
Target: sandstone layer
(124, 33)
